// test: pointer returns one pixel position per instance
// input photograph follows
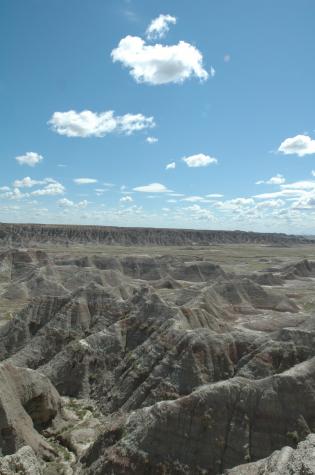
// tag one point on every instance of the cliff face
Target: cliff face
(30, 234)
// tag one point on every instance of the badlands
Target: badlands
(156, 352)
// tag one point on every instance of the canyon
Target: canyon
(156, 351)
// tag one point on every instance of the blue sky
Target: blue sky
(158, 113)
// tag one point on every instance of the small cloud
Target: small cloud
(130, 123)
(100, 191)
(199, 213)
(194, 199)
(274, 180)
(30, 158)
(50, 190)
(152, 188)
(108, 185)
(271, 204)
(28, 182)
(199, 160)
(92, 124)
(227, 58)
(152, 140)
(126, 199)
(242, 201)
(299, 145)
(160, 26)
(170, 166)
(84, 181)
(82, 204)
(212, 72)
(299, 185)
(214, 195)
(14, 194)
(313, 172)
(65, 203)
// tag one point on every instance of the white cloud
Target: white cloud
(152, 140)
(30, 158)
(126, 199)
(299, 145)
(235, 204)
(100, 191)
(28, 182)
(242, 201)
(306, 201)
(83, 124)
(65, 203)
(199, 213)
(109, 185)
(214, 195)
(271, 204)
(50, 190)
(14, 194)
(130, 123)
(160, 26)
(212, 72)
(170, 166)
(274, 180)
(300, 185)
(152, 188)
(159, 64)
(285, 193)
(82, 204)
(199, 160)
(4, 188)
(194, 199)
(84, 181)
(93, 124)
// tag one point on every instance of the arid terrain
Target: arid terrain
(156, 352)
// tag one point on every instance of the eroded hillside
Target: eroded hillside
(156, 361)
(30, 234)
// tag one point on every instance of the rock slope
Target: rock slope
(158, 365)
(23, 462)
(25, 234)
(28, 401)
(283, 462)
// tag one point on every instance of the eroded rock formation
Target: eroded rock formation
(30, 234)
(154, 364)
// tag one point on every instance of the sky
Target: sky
(158, 113)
